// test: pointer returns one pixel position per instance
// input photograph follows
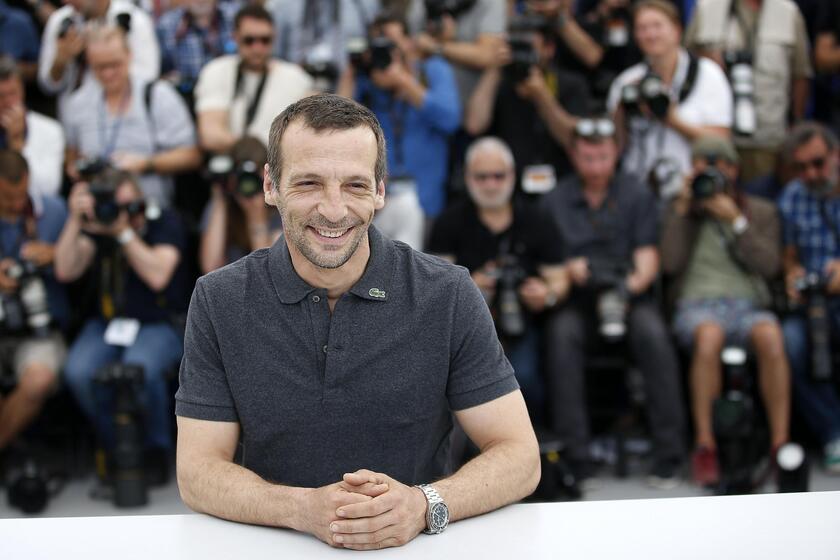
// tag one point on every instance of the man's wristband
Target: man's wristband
(126, 236)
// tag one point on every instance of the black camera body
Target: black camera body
(523, 57)
(370, 54)
(607, 279)
(26, 311)
(510, 317)
(651, 92)
(242, 178)
(89, 168)
(812, 287)
(126, 380)
(65, 26)
(708, 183)
(436, 9)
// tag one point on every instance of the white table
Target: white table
(764, 527)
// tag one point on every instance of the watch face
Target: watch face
(440, 516)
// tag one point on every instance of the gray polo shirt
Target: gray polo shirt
(370, 386)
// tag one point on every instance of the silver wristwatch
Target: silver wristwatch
(437, 514)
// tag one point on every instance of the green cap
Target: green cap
(714, 147)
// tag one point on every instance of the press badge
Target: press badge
(538, 179)
(122, 332)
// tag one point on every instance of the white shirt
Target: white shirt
(708, 104)
(44, 152)
(142, 40)
(215, 90)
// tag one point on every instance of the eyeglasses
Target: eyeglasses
(496, 176)
(595, 128)
(816, 163)
(249, 40)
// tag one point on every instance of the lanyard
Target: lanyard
(108, 145)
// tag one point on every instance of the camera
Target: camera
(126, 380)
(607, 278)
(734, 421)
(665, 177)
(743, 89)
(510, 317)
(28, 309)
(28, 486)
(242, 178)
(436, 9)
(651, 92)
(708, 183)
(370, 54)
(812, 287)
(523, 57)
(65, 26)
(88, 168)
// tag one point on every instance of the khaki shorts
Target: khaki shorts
(19, 353)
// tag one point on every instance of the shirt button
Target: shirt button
(316, 299)
(325, 348)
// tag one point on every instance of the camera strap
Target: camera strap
(112, 288)
(750, 36)
(251, 111)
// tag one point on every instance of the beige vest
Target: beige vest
(719, 28)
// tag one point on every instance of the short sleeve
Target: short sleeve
(493, 18)
(173, 125)
(168, 230)
(479, 372)
(550, 248)
(716, 93)
(645, 220)
(203, 391)
(801, 56)
(213, 91)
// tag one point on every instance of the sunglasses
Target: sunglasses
(816, 163)
(595, 128)
(497, 176)
(249, 40)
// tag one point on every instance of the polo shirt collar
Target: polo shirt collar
(374, 285)
(577, 193)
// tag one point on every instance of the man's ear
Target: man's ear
(379, 198)
(268, 187)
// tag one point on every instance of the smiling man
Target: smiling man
(337, 357)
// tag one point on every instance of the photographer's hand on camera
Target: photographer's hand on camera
(535, 294)
(67, 48)
(13, 121)
(721, 206)
(534, 88)
(38, 253)
(430, 44)
(81, 203)
(578, 270)
(7, 285)
(133, 163)
(485, 279)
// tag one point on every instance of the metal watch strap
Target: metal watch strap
(432, 498)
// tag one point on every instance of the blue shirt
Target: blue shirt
(50, 215)
(186, 48)
(422, 150)
(18, 36)
(804, 227)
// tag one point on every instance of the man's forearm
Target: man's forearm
(176, 160)
(560, 123)
(801, 91)
(496, 478)
(152, 264)
(472, 55)
(229, 491)
(479, 111)
(69, 264)
(580, 43)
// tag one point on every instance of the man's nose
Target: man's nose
(332, 205)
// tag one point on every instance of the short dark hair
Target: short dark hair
(803, 133)
(8, 68)
(249, 148)
(325, 111)
(13, 166)
(665, 7)
(253, 11)
(389, 16)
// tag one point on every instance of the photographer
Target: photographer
(516, 103)
(37, 137)
(763, 45)
(62, 68)
(416, 101)
(609, 229)
(513, 253)
(236, 220)
(32, 348)
(598, 43)
(120, 120)
(467, 33)
(137, 267)
(810, 208)
(721, 247)
(667, 101)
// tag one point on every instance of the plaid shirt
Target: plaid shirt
(186, 49)
(804, 227)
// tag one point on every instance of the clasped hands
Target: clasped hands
(365, 511)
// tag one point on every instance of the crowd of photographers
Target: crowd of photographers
(615, 174)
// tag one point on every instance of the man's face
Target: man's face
(254, 38)
(656, 35)
(13, 197)
(327, 194)
(595, 161)
(817, 166)
(109, 61)
(490, 180)
(11, 94)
